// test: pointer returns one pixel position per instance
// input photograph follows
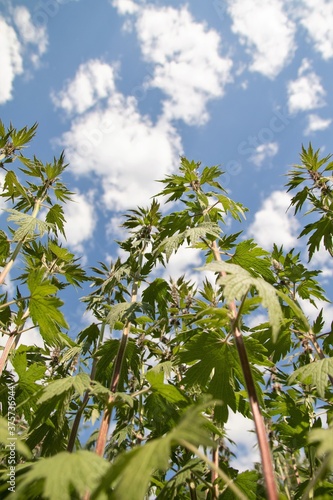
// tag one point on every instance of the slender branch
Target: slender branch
(229, 482)
(10, 263)
(265, 452)
(12, 340)
(315, 478)
(103, 431)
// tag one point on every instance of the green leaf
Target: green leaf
(192, 235)
(63, 475)
(237, 282)
(317, 373)
(4, 248)
(122, 312)
(44, 307)
(5, 439)
(254, 259)
(131, 472)
(247, 482)
(28, 225)
(78, 383)
(168, 391)
(55, 217)
(324, 440)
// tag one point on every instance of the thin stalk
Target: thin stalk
(229, 482)
(12, 340)
(308, 493)
(105, 424)
(265, 452)
(77, 420)
(10, 263)
(214, 473)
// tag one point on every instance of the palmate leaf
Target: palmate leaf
(237, 282)
(317, 373)
(247, 482)
(28, 225)
(191, 235)
(216, 370)
(79, 383)
(131, 472)
(62, 477)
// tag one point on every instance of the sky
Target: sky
(125, 87)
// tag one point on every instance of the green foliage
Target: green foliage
(165, 362)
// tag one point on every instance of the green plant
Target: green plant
(180, 355)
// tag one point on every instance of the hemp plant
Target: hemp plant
(139, 403)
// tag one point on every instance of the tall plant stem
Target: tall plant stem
(77, 420)
(229, 482)
(10, 263)
(12, 340)
(265, 452)
(105, 424)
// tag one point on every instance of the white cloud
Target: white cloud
(118, 145)
(266, 31)
(11, 62)
(306, 92)
(26, 42)
(316, 123)
(185, 261)
(263, 152)
(29, 33)
(80, 220)
(312, 312)
(273, 224)
(93, 81)
(240, 430)
(125, 6)
(187, 65)
(317, 18)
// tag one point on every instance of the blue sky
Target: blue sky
(127, 86)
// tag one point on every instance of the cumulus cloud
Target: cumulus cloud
(316, 123)
(267, 33)
(93, 81)
(29, 33)
(25, 42)
(125, 6)
(11, 61)
(316, 16)
(80, 220)
(273, 224)
(115, 143)
(187, 65)
(240, 430)
(263, 152)
(306, 92)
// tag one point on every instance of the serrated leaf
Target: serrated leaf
(28, 225)
(55, 217)
(171, 393)
(4, 247)
(237, 282)
(58, 477)
(79, 383)
(45, 307)
(317, 372)
(121, 312)
(131, 472)
(191, 235)
(324, 440)
(61, 252)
